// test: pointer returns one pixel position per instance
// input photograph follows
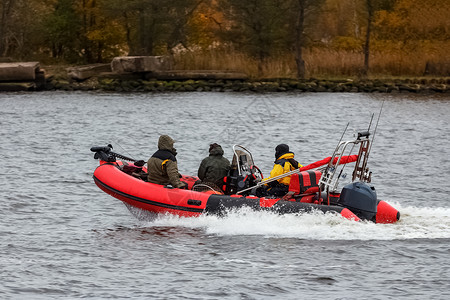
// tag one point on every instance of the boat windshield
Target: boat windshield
(242, 160)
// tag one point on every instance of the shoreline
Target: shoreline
(421, 85)
(148, 74)
(133, 84)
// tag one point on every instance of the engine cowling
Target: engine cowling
(361, 199)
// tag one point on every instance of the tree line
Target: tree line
(93, 31)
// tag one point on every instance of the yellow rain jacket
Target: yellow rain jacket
(281, 166)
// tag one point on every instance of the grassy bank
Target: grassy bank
(403, 62)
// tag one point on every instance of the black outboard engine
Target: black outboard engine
(361, 199)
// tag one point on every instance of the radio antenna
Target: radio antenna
(370, 124)
(376, 127)
(342, 136)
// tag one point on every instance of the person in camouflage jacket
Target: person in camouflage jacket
(162, 167)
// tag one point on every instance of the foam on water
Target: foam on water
(415, 223)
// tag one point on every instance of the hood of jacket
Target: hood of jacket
(288, 155)
(165, 142)
(216, 151)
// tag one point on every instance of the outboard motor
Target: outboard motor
(104, 153)
(361, 199)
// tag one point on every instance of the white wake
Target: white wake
(415, 223)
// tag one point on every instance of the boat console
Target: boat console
(244, 174)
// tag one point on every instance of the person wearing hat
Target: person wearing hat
(214, 167)
(162, 167)
(284, 163)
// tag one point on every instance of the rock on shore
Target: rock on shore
(133, 83)
(21, 76)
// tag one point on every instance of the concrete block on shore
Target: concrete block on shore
(19, 71)
(140, 64)
(87, 71)
(17, 86)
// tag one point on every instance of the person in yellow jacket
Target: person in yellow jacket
(284, 163)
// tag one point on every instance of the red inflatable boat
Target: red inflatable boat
(313, 187)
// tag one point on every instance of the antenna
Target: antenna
(370, 124)
(376, 127)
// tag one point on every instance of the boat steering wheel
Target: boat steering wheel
(257, 172)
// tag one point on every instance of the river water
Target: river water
(63, 238)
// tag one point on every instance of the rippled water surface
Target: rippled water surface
(63, 238)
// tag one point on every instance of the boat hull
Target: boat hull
(187, 203)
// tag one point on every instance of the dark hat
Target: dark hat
(212, 146)
(280, 150)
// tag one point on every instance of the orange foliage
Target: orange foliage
(415, 19)
(204, 24)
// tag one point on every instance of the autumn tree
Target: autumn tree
(372, 6)
(89, 17)
(256, 27)
(153, 26)
(370, 13)
(63, 29)
(20, 29)
(304, 13)
(5, 17)
(414, 20)
(340, 24)
(204, 24)
(102, 37)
